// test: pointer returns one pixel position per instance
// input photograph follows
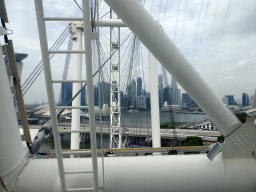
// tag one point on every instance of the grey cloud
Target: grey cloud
(239, 23)
(242, 65)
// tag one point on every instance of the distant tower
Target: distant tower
(160, 90)
(139, 86)
(186, 99)
(66, 93)
(245, 99)
(133, 93)
(231, 100)
(179, 97)
(167, 95)
(175, 92)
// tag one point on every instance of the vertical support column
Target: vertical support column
(77, 75)
(88, 52)
(119, 90)
(155, 123)
(115, 102)
(112, 137)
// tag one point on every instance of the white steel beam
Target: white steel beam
(102, 22)
(155, 118)
(111, 23)
(77, 75)
(160, 45)
(115, 105)
(49, 88)
(88, 52)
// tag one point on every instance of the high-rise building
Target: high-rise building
(186, 99)
(143, 101)
(83, 97)
(167, 95)
(138, 103)
(225, 100)
(96, 95)
(105, 93)
(160, 90)
(143, 92)
(250, 99)
(175, 92)
(179, 96)
(139, 86)
(193, 103)
(245, 99)
(147, 94)
(133, 92)
(67, 94)
(231, 100)
(122, 98)
(148, 104)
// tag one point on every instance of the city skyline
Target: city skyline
(136, 93)
(135, 97)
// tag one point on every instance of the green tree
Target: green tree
(242, 117)
(192, 141)
(221, 139)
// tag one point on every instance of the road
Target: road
(145, 132)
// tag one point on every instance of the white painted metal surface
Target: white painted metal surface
(77, 75)
(156, 40)
(111, 23)
(151, 173)
(88, 52)
(155, 118)
(12, 154)
(49, 88)
(115, 99)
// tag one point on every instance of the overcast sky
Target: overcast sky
(218, 37)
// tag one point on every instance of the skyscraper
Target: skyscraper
(96, 95)
(225, 100)
(245, 99)
(175, 92)
(160, 90)
(105, 93)
(67, 94)
(231, 100)
(186, 99)
(167, 95)
(133, 89)
(179, 96)
(139, 86)
(131, 93)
